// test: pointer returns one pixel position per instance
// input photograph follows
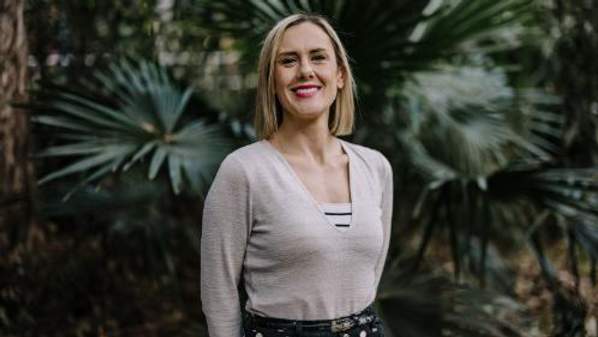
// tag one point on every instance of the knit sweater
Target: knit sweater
(261, 223)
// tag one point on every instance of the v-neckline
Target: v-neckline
(308, 194)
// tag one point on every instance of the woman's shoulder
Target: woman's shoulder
(371, 157)
(361, 150)
(237, 161)
(247, 152)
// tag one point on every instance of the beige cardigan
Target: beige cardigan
(261, 222)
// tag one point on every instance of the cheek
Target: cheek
(333, 76)
(335, 79)
(281, 80)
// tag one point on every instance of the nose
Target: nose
(306, 70)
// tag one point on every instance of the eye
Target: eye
(287, 61)
(319, 57)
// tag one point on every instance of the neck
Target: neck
(309, 141)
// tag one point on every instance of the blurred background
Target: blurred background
(115, 114)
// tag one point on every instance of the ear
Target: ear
(340, 78)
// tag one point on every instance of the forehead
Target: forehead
(304, 36)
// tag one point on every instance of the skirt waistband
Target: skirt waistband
(365, 316)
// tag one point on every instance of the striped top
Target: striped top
(338, 214)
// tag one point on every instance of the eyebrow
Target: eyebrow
(293, 53)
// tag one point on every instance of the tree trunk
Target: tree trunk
(16, 171)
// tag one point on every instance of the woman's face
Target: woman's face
(306, 73)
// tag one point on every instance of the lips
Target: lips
(304, 91)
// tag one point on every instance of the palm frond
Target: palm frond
(571, 194)
(467, 127)
(139, 115)
(426, 304)
(381, 36)
(470, 120)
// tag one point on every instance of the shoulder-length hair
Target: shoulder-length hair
(268, 112)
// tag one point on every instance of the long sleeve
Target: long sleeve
(386, 206)
(226, 224)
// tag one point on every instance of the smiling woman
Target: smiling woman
(301, 215)
(307, 76)
(323, 51)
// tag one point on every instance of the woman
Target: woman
(303, 216)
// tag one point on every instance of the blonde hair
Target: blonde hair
(268, 113)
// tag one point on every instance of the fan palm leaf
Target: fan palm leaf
(387, 40)
(429, 304)
(469, 120)
(138, 115)
(466, 128)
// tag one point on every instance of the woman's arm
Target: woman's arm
(226, 225)
(386, 205)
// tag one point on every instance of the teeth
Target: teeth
(306, 91)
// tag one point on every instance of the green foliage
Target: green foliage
(478, 160)
(388, 41)
(461, 117)
(428, 303)
(487, 153)
(141, 116)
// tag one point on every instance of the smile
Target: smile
(306, 91)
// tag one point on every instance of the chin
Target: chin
(312, 111)
(308, 115)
